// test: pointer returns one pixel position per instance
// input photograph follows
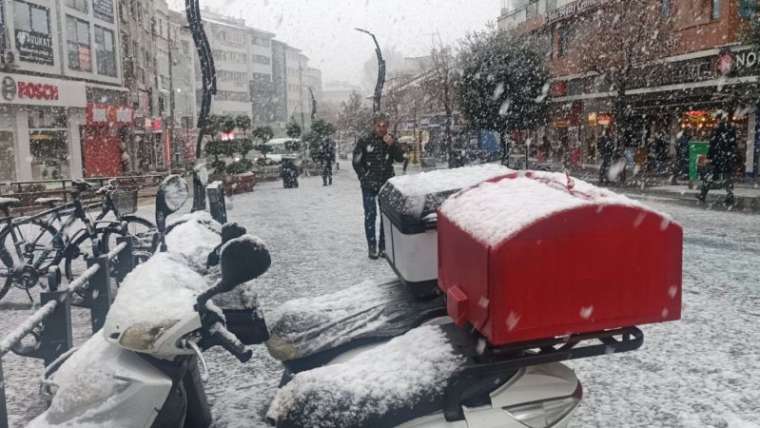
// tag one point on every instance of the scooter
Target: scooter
(418, 370)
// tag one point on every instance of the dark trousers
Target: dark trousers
(710, 177)
(370, 219)
(326, 173)
(604, 170)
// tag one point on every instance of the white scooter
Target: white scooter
(141, 370)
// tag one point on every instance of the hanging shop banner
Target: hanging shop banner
(103, 9)
(110, 115)
(34, 47)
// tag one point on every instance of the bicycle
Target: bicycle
(29, 246)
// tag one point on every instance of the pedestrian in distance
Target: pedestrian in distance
(327, 158)
(681, 164)
(406, 159)
(721, 161)
(373, 159)
(607, 151)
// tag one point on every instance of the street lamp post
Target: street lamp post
(380, 71)
(208, 72)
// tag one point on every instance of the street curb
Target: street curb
(714, 202)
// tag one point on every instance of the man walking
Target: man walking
(373, 159)
(327, 158)
(606, 150)
(722, 157)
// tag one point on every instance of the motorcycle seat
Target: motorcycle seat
(306, 333)
(398, 381)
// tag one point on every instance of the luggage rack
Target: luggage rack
(494, 361)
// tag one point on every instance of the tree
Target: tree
(440, 83)
(320, 129)
(354, 117)
(263, 134)
(293, 129)
(243, 123)
(504, 85)
(625, 35)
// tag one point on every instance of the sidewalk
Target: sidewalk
(746, 191)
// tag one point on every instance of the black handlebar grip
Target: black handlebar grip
(227, 340)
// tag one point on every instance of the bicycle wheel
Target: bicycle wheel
(137, 227)
(81, 249)
(29, 244)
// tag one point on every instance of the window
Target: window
(565, 37)
(80, 5)
(665, 8)
(715, 9)
(261, 59)
(31, 18)
(78, 44)
(747, 8)
(259, 41)
(106, 54)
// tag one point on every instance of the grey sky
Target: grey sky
(323, 29)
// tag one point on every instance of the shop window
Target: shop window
(106, 54)
(78, 44)
(7, 157)
(48, 139)
(80, 5)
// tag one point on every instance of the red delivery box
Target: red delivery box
(535, 255)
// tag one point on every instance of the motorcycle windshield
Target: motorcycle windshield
(155, 295)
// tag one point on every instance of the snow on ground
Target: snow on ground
(700, 372)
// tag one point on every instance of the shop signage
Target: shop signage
(572, 9)
(28, 90)
(103, 9)
(34, 47)
(107, 114)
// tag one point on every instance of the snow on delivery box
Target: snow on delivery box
(535, 255)
(408, 204)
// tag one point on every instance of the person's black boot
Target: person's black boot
(372, 252)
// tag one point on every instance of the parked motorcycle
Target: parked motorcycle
(142, 369)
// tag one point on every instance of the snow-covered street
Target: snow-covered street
(701, 371)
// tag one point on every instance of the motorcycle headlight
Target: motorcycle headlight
(545, 414)
(142, 337)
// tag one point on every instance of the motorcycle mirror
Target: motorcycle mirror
(242, 260)
(230, 231)
(172, 194)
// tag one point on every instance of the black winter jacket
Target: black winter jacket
(722, 149)
(373, 161)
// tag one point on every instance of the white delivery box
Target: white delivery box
(408, 205)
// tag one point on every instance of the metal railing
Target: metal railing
(51, 326)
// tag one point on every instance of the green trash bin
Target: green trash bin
(697, 148)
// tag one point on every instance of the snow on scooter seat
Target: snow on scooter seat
(406, 372)
(525, 199)
(303, 327)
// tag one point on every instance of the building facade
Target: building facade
(61, 64)
(705, 70)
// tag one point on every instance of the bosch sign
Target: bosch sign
(17, 89)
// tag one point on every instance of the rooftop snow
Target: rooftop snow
(493, 212)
